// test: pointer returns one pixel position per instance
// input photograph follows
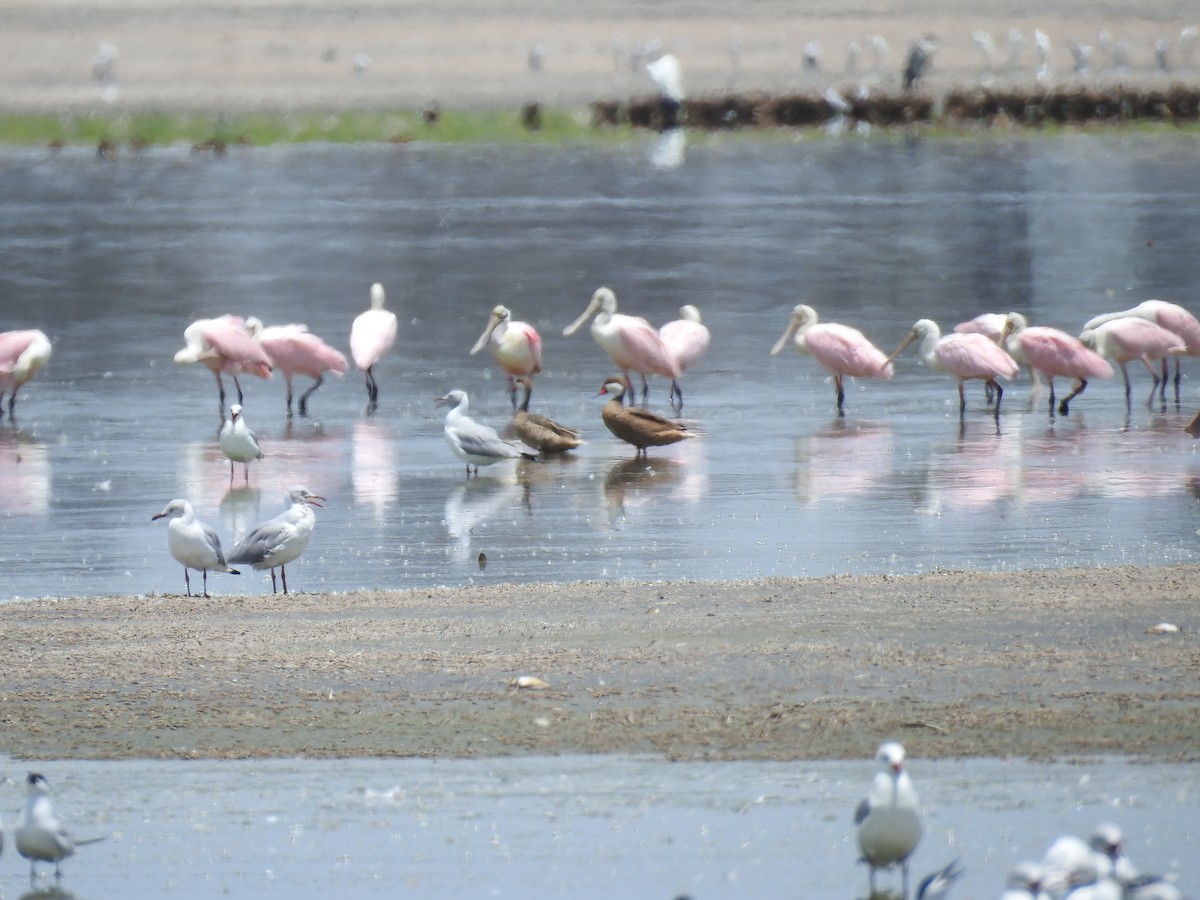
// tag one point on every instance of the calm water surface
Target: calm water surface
(114, 260)
(533, 827)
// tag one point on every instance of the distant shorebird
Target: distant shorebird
(667, 75)
(238, 442)
(965, 356)
(474, 443)
(889, 818)
(224, 346)
(636, 426)
(39, 835)
(22, 355)
(275, 543)
(920, 57)
(516, 347)
(193, 544)
(294, 350)
(371, 337)
(542, 433)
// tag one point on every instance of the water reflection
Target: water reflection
(24, 474)
(241, 511)
(844, 459)
(373, 466)
(473, 506)
(632, 484)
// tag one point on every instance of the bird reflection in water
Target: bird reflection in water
(241, 510)
(373, 467)
(471, 507)
(24, 474)
(633, 483)
(973, 473)
(844, 459)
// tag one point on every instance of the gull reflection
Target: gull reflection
(843, 459)
(373, 468)
(241, 510)
(669, 149)
(471, 505)
(24, 475)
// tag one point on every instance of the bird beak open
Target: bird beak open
(312, 499)
(440, 401)
(912, 336)
(487, 333)
(578, 323)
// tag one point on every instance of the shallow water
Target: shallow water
(538, 827)
(115, 259)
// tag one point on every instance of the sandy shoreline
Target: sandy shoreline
(285, 54)
(1040, 665)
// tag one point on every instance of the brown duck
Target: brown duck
(637, 426)
(544, 434)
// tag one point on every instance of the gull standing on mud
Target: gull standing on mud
(193, 544)
(238, 442)
(371, 337)
(472, 442)
(888, 819)
(39, 836)
(275, 543)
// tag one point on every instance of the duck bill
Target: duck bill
(578, 323)
(912, 336)
(788, 334)
(487, 333)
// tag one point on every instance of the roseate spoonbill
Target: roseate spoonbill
(540, 432)
(294, 350)
(965, 356)
(990, 325)
(238, 442)
(39, 835)
(516, 347)
(840, 349)
(631, 341)
(637, 426)
(688, 339)
(193, 544)
(474, 443)
(371, 337)
(1129, 338)
(889, 818)
(1170, 316)
(22, 355)
(224, 345)
(275, 543)
(1052, 353)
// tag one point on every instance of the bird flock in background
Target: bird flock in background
(888, 823)
(990, 348)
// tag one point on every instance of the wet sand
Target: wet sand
(173, 55)
(1044, 665)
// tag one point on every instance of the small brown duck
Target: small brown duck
(543, 434)
(637, 426)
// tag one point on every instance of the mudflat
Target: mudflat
(1042, 665)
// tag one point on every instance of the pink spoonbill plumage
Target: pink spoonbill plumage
(632, 342)
(1165, 314)
(1128, 338)
(22, 355)
(224, 345)
(840, 349)
(965, 356)
(1053, 353)
(371, 337)
(294, 350)
(687, 338)
(516, 347)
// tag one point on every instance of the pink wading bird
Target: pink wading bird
(1129, 338)
(1170, 316)
(965, 356)
(840, 349)
(224, 345)
(22, 354)
(1051, 353)
(688, 339)
(516, 346)
(371, 337)
(631, 341)
(294, 350)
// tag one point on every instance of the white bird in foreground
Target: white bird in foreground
(193, 544)
(238, 442)
(39, 836)
(889, 823)
(277, 542)
(472, 442)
